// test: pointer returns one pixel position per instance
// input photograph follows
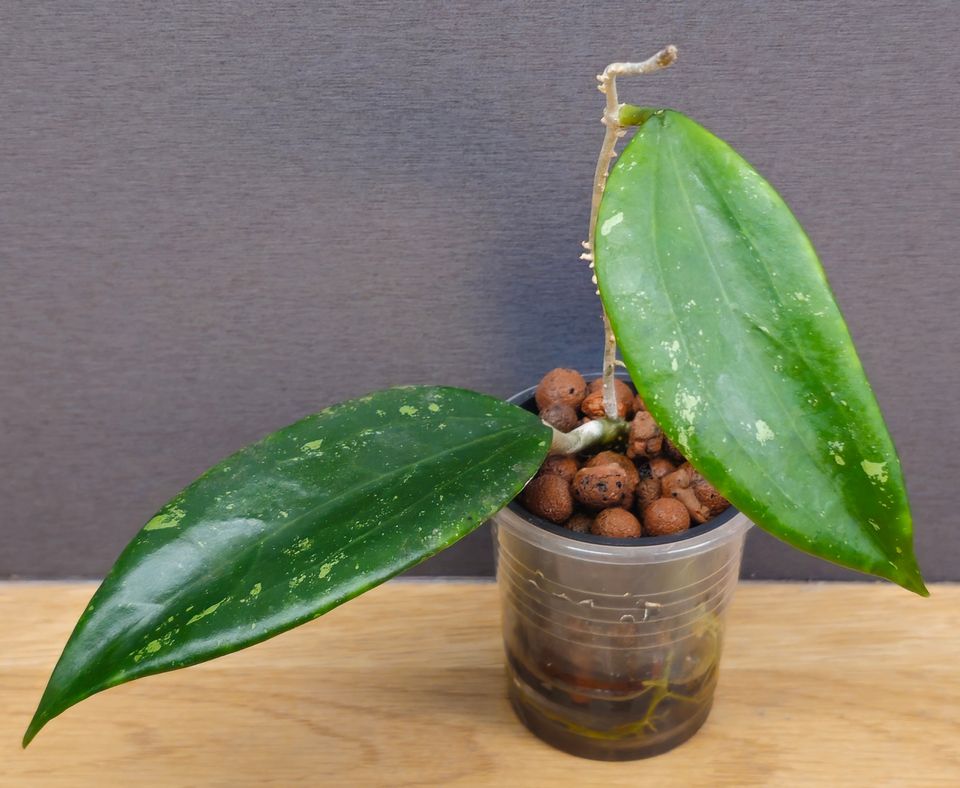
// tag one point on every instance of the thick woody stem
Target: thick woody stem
(614, 131)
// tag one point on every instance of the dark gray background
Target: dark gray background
(216, 217)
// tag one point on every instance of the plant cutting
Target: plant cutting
(748, 386)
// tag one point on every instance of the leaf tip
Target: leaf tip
(32, 730)
(914, 582)
(907, 575)
(52, 704)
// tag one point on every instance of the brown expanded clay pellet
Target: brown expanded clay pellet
(579, 523)
(645, 438)
(648, 491)
(660, 467)
(616, 523)
(561, 465)
(665, 516)
(548, 496)
(563, 417)
(633, 475)
(601, 487)
(677, 485)
(608, 457)
(561, 387)
(708, 495)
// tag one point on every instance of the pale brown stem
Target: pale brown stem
(613, 132)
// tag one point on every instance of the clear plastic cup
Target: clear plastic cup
(613, 645)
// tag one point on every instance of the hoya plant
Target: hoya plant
(728, 328)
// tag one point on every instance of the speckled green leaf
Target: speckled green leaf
(731, 333)
(294, 525)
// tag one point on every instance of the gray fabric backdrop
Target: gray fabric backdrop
(216, 217)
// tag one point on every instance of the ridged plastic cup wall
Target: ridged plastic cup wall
(613, 650)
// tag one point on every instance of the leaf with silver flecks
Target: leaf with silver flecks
(733, 338)
(294, 525)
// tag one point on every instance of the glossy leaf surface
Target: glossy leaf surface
(727, 324)
(294, 525)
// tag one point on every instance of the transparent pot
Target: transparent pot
(613, 645)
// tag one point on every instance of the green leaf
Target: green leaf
(729, 329)
(294, 525)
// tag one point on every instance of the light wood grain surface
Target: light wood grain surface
(836, 684)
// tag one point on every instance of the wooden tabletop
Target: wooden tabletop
(821, 684)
